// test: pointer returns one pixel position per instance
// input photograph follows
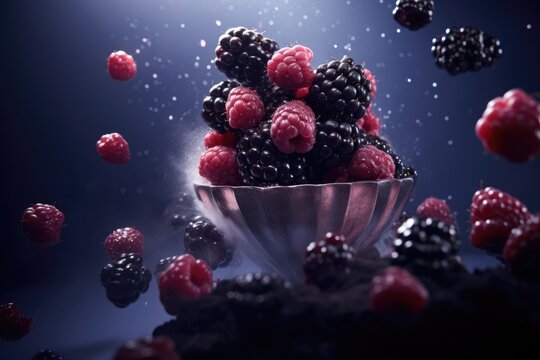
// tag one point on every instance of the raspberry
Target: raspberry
(414, 14)
(43, 223)
(290, 68)
(436, 209)
(214, 113)
(113, 149)
(204, 241)
(245, 109)
(121, 66)
(293, 128)
(370, 123)
(185, 279)
(372, 80)
(301, 93)
(327, 261)
(402, 171)
(370, 163)
(522, 250)
(253, 288)
(490, 235)
(510, 126)
(158, 348)
(124, 241)
(46, 354)
(218, 165)
(397, 290)
(13, 324)
(213, 138)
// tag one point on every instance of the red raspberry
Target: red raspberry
(121, 66)
(43, 224)
(510, 126)
(213, 138)
(218, 165)
(158, 348)
(293, 127)
(245, 109)
(13, 324)
(522, 250)
(370, 123)
(490, 235)
(373, 81)
(370, 163)
(290, 68)
(436, 209)
(397, 289)
(337, 175)
(124, 241)
(301, 93)
(185, 279)
(113, 149)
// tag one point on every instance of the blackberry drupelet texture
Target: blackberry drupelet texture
(164, 263)
(261, 163)
(242, 54)
(340, 90)
(254, 288)
(204, 241)
(214, 112)
(465, 49)
(46, 354)
(401, 171)
(179, 212)
(414, 14)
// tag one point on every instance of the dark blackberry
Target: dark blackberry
(164, 263)
(401, 171)
(465, 49)
(426, 246)
(261, 163)
(46, 354)
(125, 279)
(273, 97)
(242, 54)
(180, 211)
(214, 113)
(414, 14)
(204, 241)
(327, 262)
(254, 288)
(340, 90)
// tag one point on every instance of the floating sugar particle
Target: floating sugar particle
(368, 29)
(218, 23)
(203, 43)
(398, 31)
(271, 23)
(174, 98)
(446, 118)
(383, 35)
(155, 76)
(409, 80)
(435, 96)
(146, 86)
(182, 25)
(529, 26)
(450, 142)
(434, 84)
(171, 117)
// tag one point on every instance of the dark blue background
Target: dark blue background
(56, 100)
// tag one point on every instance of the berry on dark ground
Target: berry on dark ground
(125, 280)
(369, 163)
(401, 171)
(293, 128)
(414, 14)
(113, 149)
(327, 262)
(205, 241)
(426, 246)
(158, 348)
(121, 66)
(522, 250)
(13, 324)
(46, 354)
(180, 211)
(340, 91)
(436, 209)
(214, 112)
(255, 288)
(262, 164)
(124, 241)
(218, 166)
(242, 54)
(42, 224)
(465, 49)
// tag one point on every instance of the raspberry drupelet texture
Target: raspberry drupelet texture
(121, 66)
(214, 113)
(397, 290)
(42, 223)
(213, 138)
(206, 242)
(340, 90)
(436, 209)
(370, 163)
(113, 149)
(124, 241)
(290, 68)
(373, 81)
(522, 250)
(13, 324)
(510, 126)
(370, 123)
(293, 128)
(157, 348)
(218, 165)
(414, 14)
(46, 354)
(245, 109)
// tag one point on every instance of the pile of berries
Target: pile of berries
(278, 121)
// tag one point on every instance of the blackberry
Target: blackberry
(465, 49)
(125, 279)
(273, 97)
(242, 54)
(340, 90)
(426, 246)
(179, 211)
(253, 288)
(414, 14)
(46, 354)
(261, 163)
(327, 262)
(204, 241)
(214, 113)
(401, 171)
(164, 263)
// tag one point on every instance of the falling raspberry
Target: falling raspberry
(113, 149)
(213, 138)
(293, 128)
(121, 66)
(124, 241)
(370, 163)
(244, 107)
(13, 324)
(43, 223)
(522, 250)
(436, 209)
(218, 165)
(158, 348)
(290, 68)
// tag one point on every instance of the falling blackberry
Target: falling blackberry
(125, 279)
(242, 54)
(164, 263)
(426, 246)
(204, 241)
(46, 354)
(465, 49)
(414, 14)
(340, 91)
(180, 211)
(261, 164)
(254, 288)
(214, 113)
(401, 171)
